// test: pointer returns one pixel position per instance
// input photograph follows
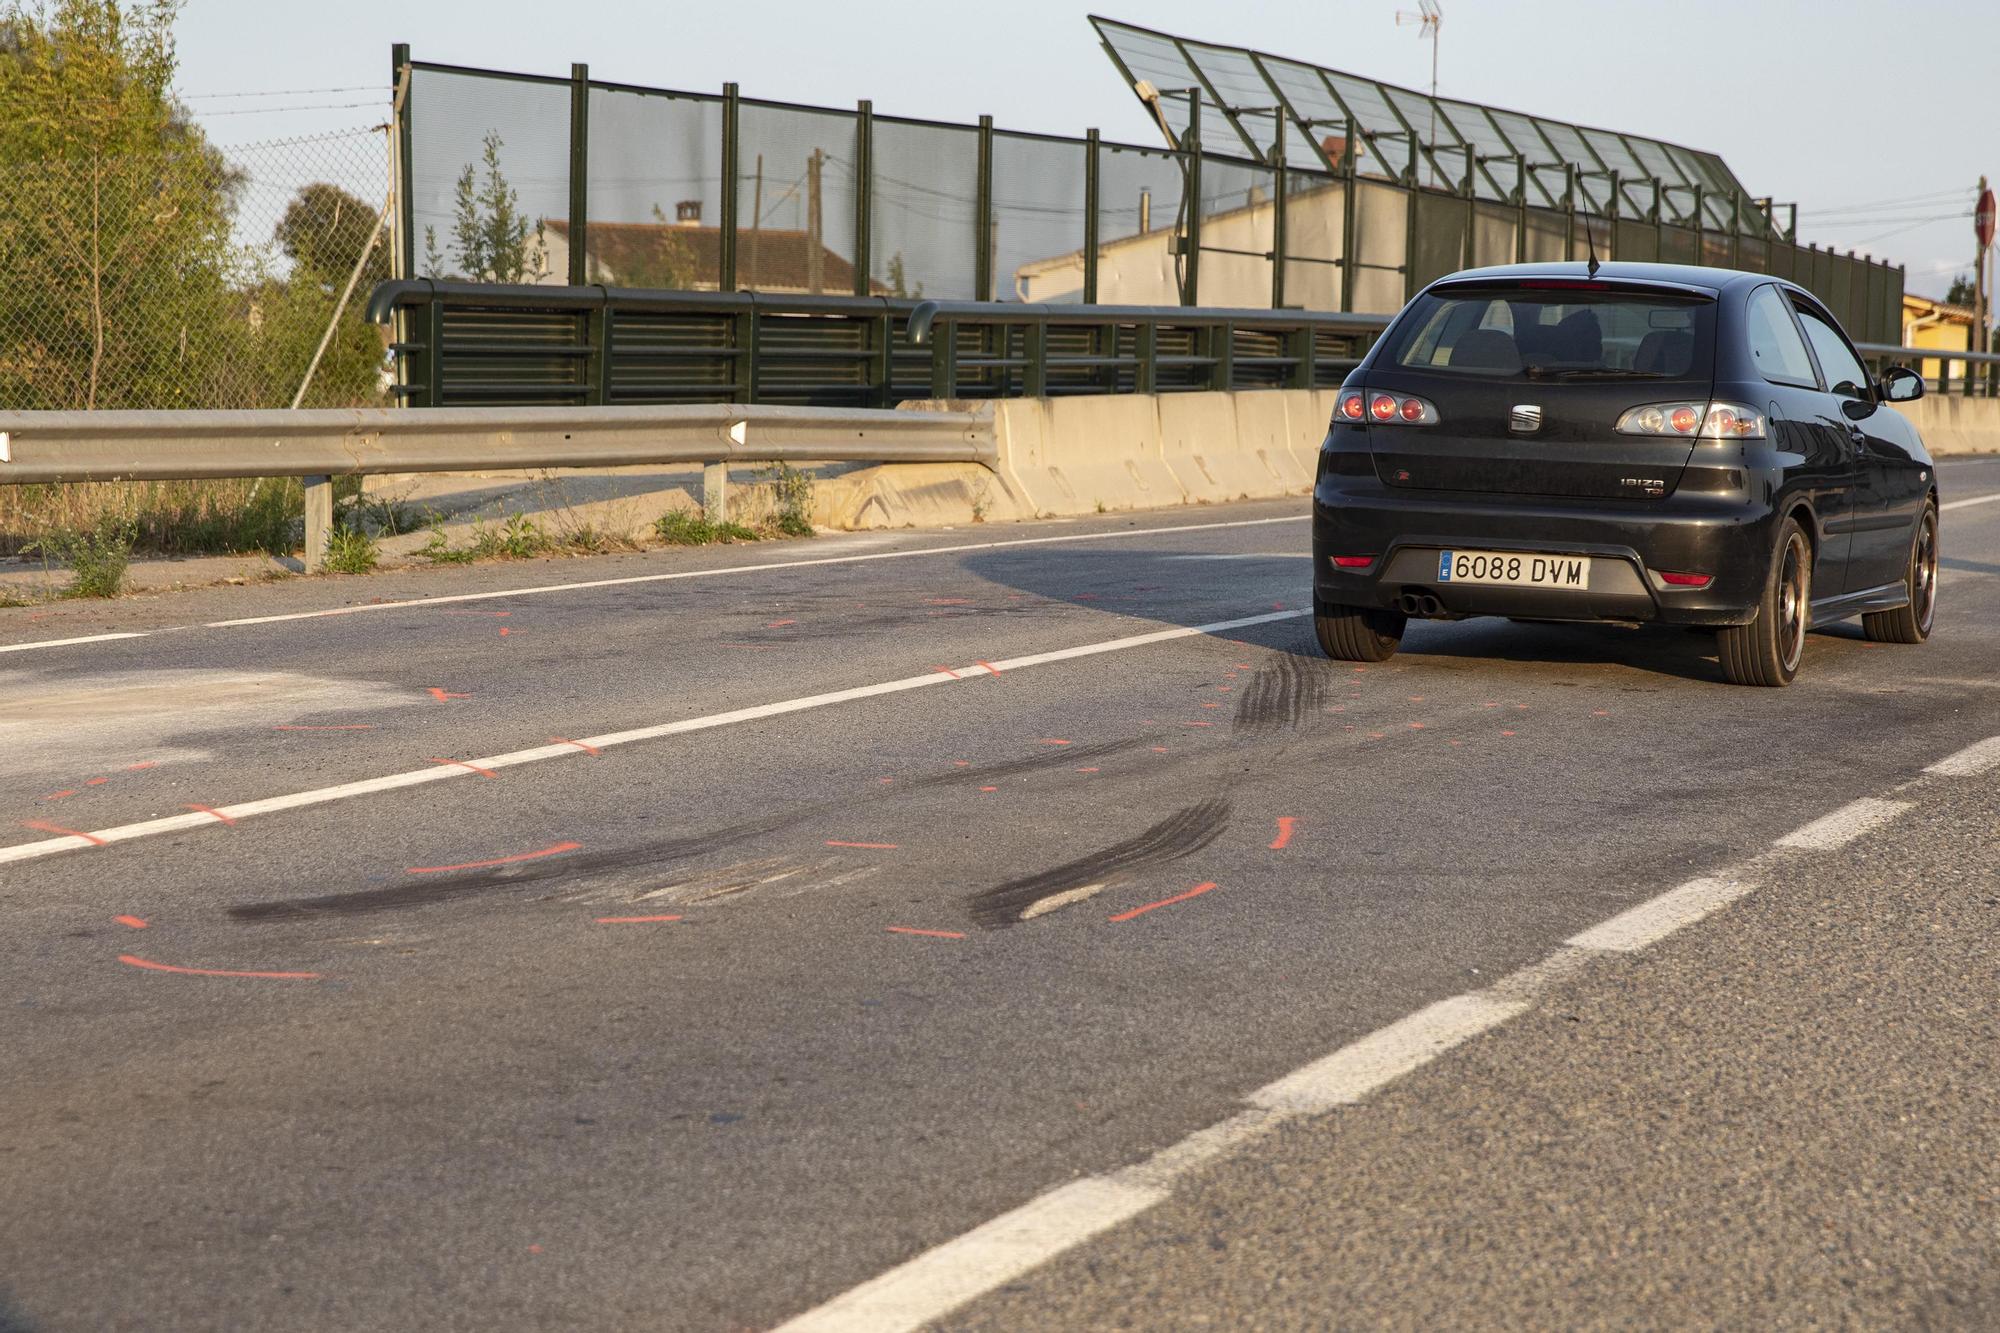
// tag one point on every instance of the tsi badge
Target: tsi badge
(1525, 419)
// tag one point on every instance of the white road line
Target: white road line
(950, 1275)
(1657, 918)
(1975, 500)
(913, 1294)
(1970, 762)
(64, 643)
(748, 569)
(1357, 1069)
(299, 800)
(1843, 825)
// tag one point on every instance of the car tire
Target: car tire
(1768, 650)
(1911, 623)
(1358, 633)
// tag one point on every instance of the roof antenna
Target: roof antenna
(1590, 239)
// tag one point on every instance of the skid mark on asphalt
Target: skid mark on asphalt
(1282, 695)
(1180, 834)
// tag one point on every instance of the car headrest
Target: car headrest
(1664, 352)
(1486, 349)
(1579, 339)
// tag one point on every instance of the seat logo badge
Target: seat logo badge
(1525, 419)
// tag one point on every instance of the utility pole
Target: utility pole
(815, 250)
(1982, 297)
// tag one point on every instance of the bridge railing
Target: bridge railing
(1948, 369)
(484, 344)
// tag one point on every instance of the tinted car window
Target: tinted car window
(1844, 374)
(1774, 340)
(1533, 333)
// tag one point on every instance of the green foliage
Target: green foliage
(351, 551)
(439, 549)
(490, 234)
(97, 557)
(791, 494)
(519, 538)
(691, 527)
(897, 279)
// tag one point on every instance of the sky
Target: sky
(1839, 105)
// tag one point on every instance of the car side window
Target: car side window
(1845, 374)
(1775, 344)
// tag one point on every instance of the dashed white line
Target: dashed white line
(1975, 500)
(1657, 918)
(1970, 762)
(1843, 825)
(1385, 1055)
(575, 749)
(65, 643)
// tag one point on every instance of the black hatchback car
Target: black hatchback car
(1624, 442)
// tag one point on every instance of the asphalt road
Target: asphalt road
(685, 951)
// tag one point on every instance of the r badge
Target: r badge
(1525, 419)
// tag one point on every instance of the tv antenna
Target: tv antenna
(1429, 19)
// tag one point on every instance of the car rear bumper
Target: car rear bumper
(1629, 546)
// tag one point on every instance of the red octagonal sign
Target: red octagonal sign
(1982, 219)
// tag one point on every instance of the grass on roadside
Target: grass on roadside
(691, 527)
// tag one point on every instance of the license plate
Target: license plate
(1515, 569)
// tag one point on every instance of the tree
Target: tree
(490, 234)
(323, 233)
(114, 215)
(1961, 292)
(896, 278)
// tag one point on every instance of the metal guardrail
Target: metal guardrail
(465, 344)
(324, 443)
(1982, 382)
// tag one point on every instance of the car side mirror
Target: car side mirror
(1900, 384)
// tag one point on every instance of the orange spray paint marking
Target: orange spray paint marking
(442, 695)
(1506, 733)
(478, 613)
(1197, 724)
(935, 934)
(885, 781)
(151, 966)
(58, 795)
(1416, 698)
(989, 789)
(555, 850)
(1224, 689)
(1087, 770)
(628, 921)
(220, 818)
(947, 601)
(1211, 705)
(780, 624)
(136, 922)
(534, 1249)
(351, 726)
(1052, 740)
(460, 763)
(989, 666)
(1599, 712)
(1159, 749)
(870, 846)
(1416, 726)
(1194, 892)
(1285, 823)
(961, 763)
(138, 768)
(949, 672)
(587, 749)
(504, 631)
(47, 827)
(95, 782)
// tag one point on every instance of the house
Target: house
(688, 256)
(1933, 323)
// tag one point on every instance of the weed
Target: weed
(791, 493)
(981, 503)
(97, 557)
(164, 517)
(691, 527)
(519, 538)
(350, 551)
(439, 549)
(1100, 507)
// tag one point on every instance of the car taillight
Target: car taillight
(1674, 580)
(1387, 409)
(1704, 421)
(1353, 561)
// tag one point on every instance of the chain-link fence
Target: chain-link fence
(526, 178)
(194, 276)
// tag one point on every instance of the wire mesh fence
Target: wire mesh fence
(508, 175)
(194, 276)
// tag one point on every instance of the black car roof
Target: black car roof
(1712, 280)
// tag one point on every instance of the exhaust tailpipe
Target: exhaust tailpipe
(1431, 606)
(1410, 604)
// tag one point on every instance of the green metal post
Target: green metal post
(1569, 211)
(1659, 225)
(1520, 208)
(434, 352)
(864, 192)
(579, 174)
(1611, 218)
(732, 166)
(1410, 207)
(1700, 228)
(1146, 346)
(1350, 200)
(1191, 242)
(1035, 347)
(1222, 347)
(1278, 191)
(982, 267)
(1092, 146)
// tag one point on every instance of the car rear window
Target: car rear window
(1560, 333)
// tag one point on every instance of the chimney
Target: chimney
(687, 213)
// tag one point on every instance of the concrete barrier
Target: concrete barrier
(1951, 424)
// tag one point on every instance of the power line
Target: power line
(284, 92)
(273, 110)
